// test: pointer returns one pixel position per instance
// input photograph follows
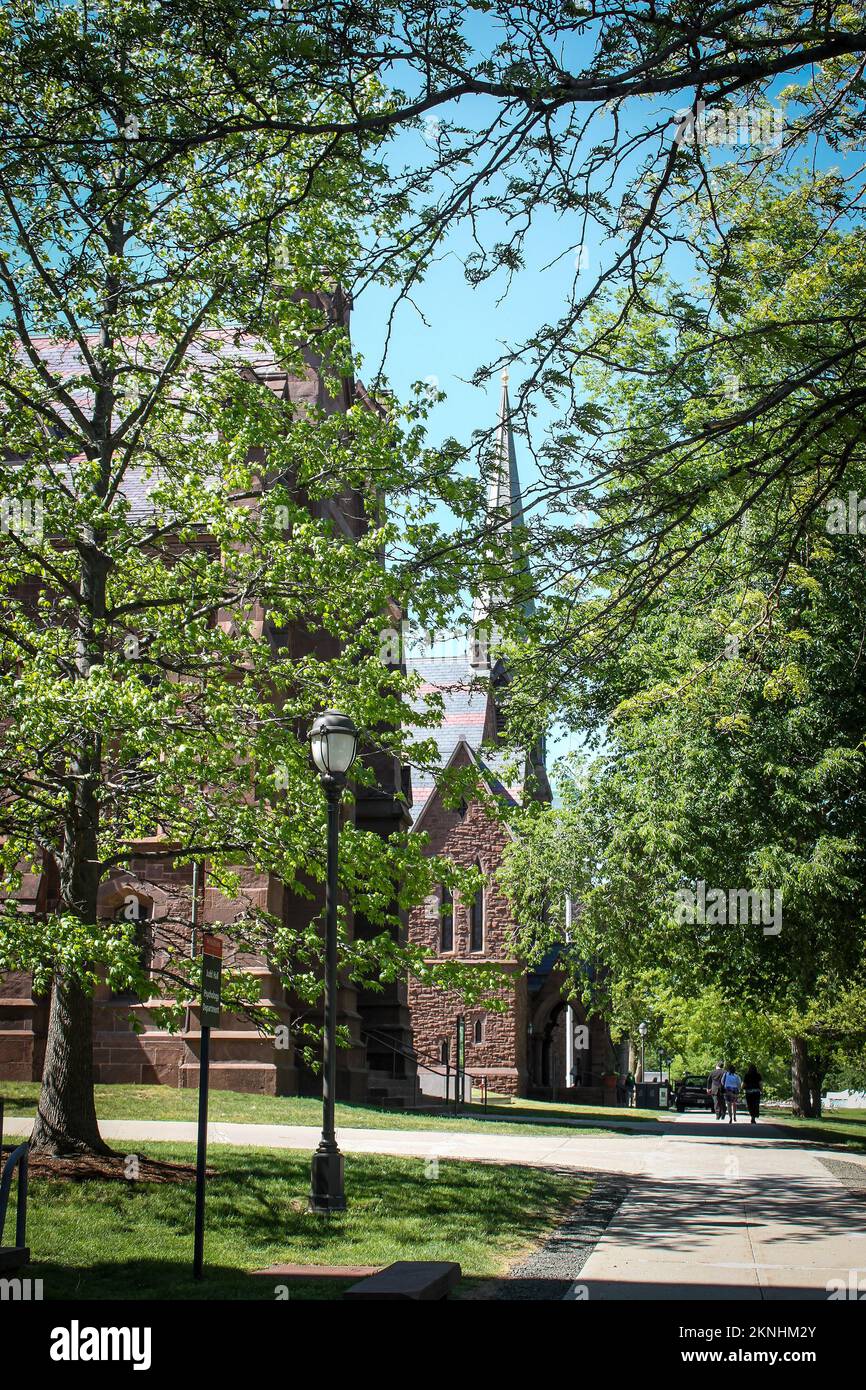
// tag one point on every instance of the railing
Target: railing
(420, 1059)
(409, 1053)
(17, 1159)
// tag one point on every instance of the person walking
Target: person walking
(732, 1086)
(716, 1090)
(752, 1091)
(629, 1089)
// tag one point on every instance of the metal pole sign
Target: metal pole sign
(209, 1014)
(460, 1063)
(211, 980)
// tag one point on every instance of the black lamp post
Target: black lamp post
(334, 744)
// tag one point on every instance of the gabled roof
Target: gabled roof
(488, 775)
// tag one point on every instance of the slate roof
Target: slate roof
(466, 699)
(212, 351)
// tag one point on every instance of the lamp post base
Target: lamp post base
(326, 1183)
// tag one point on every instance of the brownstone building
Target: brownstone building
(400, 1036)
(129, 1044)
(523, 1050)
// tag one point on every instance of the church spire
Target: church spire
(503, 488)
(505, 511)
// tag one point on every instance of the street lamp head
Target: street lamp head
(643, 1030)
(334, 744)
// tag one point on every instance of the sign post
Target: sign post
(209, 1014)
(460, 1064)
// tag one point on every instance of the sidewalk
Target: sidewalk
(713, 1211)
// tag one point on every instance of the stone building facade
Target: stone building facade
(405, 1034)
(129, 1044)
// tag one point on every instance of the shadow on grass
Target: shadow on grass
(134, 1240)
(155, 1280)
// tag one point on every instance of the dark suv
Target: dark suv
(692, 1090)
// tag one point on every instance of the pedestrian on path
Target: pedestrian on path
(732, 1085)
(629, 1089)
(717, 1090)
(752, 1091)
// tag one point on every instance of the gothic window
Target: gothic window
(443, 1052)
(479, 1031)
(446, 921)
(476, 922)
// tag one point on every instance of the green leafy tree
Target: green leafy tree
(729, 716)
(191, 569)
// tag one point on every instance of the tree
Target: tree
(617, 122)
(169, 524)
(718, 835)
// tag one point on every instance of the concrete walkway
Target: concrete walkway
(714, 1211)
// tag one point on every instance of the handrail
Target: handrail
(17, 1159)
(408, 1052)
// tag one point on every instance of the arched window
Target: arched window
(446, 921)
(443, 1052)
(478, 1033)
(476, 922)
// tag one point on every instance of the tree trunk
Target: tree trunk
(66, 1118)
(817, 1074)
(801, 1081)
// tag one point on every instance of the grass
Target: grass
(235, 1107)
(845, 1129)
(125, 1240)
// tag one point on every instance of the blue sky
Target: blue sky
(451, 328)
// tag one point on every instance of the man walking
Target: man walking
(716, 1089)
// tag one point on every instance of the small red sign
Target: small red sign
(212, 945)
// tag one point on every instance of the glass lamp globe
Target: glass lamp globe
(333, 743)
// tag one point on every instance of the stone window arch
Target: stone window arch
(446, 921)
(476, 920)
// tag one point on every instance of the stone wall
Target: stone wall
(474, 837)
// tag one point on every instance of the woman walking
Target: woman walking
(732, 1084)
(752, 1090)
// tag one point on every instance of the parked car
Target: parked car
(692, 1091)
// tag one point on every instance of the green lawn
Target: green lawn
(167, 1103)
(843, 1128)
(124, 1240)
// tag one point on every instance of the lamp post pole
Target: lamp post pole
(569, 1011)
(326, 1188)
(334, 740)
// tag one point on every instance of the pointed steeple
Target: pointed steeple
(504, 510)
(503, 488)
